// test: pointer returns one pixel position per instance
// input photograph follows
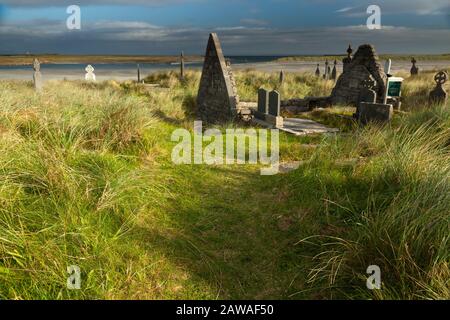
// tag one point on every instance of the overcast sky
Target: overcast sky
(245, 27)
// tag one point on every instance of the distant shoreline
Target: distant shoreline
(23, 60)
(26, 60)
(123, 72)
(382, 57)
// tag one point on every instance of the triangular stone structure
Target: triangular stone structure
(364, 66)
(217, 97)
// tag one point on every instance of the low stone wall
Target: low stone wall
(306, 104)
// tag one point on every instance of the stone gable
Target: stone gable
(364, 66)
(217, 97)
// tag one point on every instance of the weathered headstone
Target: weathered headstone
(414, 68)
(263, 102)
(334, 72)
(375, 112)
(326, 75)
(281, 77)
(318, 71)
(90, 75)
(274, 103)
(37, 77)
(217, 96)
(347, 60)
(368, 93)
(274, 117)
(439, 96)
(138, 73)
(387, 66)
(364, 66)
(182, 65)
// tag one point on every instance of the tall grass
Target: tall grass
(86, 179)
(398, 218)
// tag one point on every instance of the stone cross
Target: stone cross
(37, 77)
(346, 61)
(368, 94)
(318, 71)
(182, 65)
(263, 101)
(274, 103)
(414, 69)
(439, 95)
(334, 72)
(387, 66)
(90, 75)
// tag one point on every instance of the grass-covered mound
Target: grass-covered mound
(86, 179)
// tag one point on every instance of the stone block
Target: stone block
(374, 112)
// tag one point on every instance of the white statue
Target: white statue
(90, 75)
(387, 66)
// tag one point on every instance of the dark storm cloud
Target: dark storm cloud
(125, 37)
(46, 3)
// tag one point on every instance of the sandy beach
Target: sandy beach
(123, 72)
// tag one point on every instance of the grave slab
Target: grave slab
(299, 127)
(304, 127)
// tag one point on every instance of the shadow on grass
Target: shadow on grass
(237, 231)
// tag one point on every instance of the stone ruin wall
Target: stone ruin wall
(217, 99)
(364, 66)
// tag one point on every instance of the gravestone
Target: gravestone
(368, 93)
(387, 66)
(274, 117)
(439, 96)
(414, 68)
(217, 96)
(318, 71)
(182, 66)
(346, 61)
(326, 75)
(37, 77)
(281, 78)
(138, 73)
(274, 103)
(263, 102)
(375, 112)
(90, 75)
(364, 66)
(334, 72)
(394, 87)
